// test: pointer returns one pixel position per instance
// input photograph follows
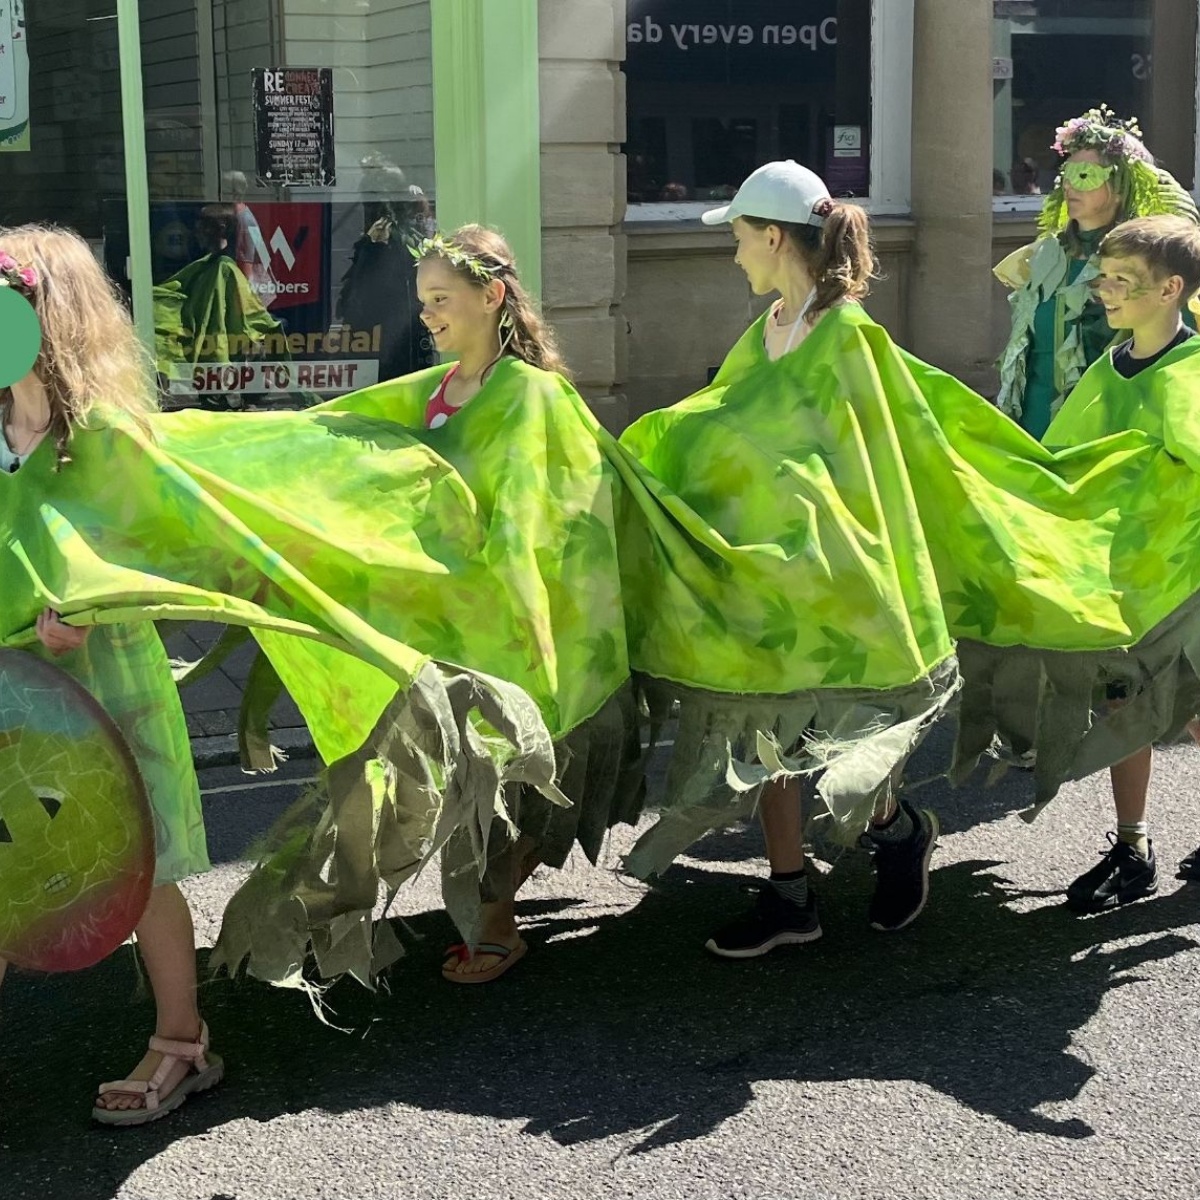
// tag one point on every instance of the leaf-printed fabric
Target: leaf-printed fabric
(841, 518)
(448, 601)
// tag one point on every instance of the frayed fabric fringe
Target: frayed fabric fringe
(726, 747)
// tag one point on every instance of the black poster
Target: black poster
(293, 126)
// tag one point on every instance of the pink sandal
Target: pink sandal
(205, 1070)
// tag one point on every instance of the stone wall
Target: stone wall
(582, 44)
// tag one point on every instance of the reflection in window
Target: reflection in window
(717, 87)
(1054, 59)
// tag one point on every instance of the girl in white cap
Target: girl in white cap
(842, 624)
(795, 239)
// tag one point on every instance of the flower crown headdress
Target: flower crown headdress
(13, 275)
(1101, 129)
(1145, 190)
(440, 246)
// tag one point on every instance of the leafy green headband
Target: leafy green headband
(440, 246)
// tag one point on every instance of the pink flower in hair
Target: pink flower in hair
(28, 277)
(7, 262)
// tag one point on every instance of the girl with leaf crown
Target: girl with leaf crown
(1058, 329)
(505, 417)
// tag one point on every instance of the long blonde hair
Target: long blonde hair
(91, 361)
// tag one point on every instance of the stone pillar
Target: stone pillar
(951, 283)
(582, 45)
(1171, 119)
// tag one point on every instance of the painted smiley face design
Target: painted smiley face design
(76, 834)
(20, 336)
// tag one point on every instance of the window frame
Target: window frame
(890, 192)
(1031, 205)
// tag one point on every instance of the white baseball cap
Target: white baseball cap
(779, 191)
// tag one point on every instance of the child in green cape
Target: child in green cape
(90, 367)
(819, 622)
(477, 311)
(1148, 271)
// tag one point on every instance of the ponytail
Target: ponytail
(843, 263)
(837, 253)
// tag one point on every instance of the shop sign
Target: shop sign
(847, 167)
(271, 378)
(750, 42)
(281, 249)
(14, 77)
(293, 126)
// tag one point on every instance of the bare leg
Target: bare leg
(1130, 785)
(781, 811)
(498, 922)
(167, 943)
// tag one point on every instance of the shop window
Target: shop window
(1054, 59)
(717, 87)
(60, 113)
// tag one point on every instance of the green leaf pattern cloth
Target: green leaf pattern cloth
(456, 625)
(839, 519)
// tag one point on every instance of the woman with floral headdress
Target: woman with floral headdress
(1058, 328)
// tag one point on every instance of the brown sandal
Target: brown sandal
(205, 1070)
(509, 956)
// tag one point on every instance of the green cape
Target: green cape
(831, 523)
(462, 627)
(209, 313)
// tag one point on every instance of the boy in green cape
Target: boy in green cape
(1149, 269)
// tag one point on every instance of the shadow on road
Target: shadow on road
(622, 1024)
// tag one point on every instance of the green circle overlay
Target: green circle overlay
(20, 337)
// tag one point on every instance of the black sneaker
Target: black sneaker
(902, 872)
(1189, 869)
(773, 921)
(1121, 876)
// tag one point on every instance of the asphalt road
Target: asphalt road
(999, 1048)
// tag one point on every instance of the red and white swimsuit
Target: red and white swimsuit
(437, 411)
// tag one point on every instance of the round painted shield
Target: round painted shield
(76, 833)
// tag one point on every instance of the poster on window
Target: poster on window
(293, 126)
(14, 77)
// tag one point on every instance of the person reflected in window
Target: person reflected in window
(249, 246)
(379, 290)
(209, 313)
(1025, 177)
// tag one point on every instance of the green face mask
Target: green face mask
(1086, 176)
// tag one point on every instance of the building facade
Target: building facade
(320, 134)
